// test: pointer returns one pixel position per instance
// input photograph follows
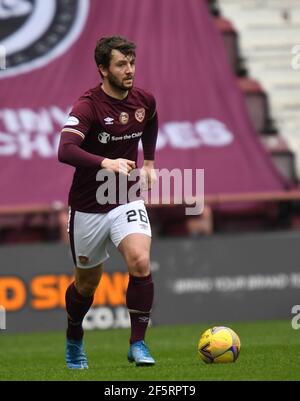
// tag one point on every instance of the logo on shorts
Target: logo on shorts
(144, 226)
(124, 118)
(35, 32)
(104, 137)
(140, 115)
(84, 260)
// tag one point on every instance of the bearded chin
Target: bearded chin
(117, 84)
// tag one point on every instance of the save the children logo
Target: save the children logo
(35, 32)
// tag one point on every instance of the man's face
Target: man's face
(120, 73)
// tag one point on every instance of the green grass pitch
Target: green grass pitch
(270, 351)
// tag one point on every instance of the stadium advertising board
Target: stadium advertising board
(196, 280)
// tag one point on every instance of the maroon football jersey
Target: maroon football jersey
(109, 128)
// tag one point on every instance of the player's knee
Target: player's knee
(87, 280)
(140, 265)
(87, 288)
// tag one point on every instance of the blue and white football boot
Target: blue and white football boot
(140, 354)
(75, 355)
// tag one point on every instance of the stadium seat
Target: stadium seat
(282, 156)
(230, 39)
(214, 7)
(257, 105)
(267, 32)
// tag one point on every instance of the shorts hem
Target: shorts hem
(94, 265)
(116, 244)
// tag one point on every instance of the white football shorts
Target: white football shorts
(90, 233)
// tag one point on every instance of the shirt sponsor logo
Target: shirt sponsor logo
(127, 136)
(72, 121)
(140, 115)
(124, 118)
(36, 32)
(108, 121)
(104, 137)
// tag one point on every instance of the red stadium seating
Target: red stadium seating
(256, 99)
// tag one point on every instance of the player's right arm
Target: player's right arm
(72, 136)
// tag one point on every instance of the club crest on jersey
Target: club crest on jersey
(35, 32)
(104, 137)
(124, 118)
(140, 115)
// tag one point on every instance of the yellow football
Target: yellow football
(219, 345)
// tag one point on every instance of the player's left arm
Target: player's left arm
(149, 139)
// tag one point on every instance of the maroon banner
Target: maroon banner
(49, 49)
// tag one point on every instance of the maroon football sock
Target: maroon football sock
(77, 307)
(139, 299)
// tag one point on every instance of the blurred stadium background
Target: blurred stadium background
(226, 76)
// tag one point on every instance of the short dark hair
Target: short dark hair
(105, 46)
